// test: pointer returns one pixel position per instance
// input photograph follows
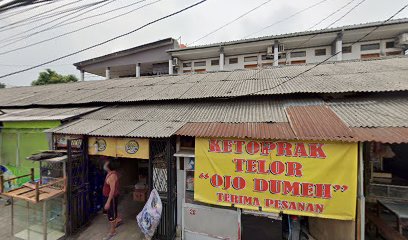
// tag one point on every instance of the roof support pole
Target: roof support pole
(107, 73)
(170, 66)
(361, 191)
(276, 53)
(137, 70)
(221, 58)
(339, 47)
(82, 75)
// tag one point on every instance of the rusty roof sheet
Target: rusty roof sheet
(317, 122)
(383, 75)
(283, 131)
(382, 134)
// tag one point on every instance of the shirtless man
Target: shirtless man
(111, 193)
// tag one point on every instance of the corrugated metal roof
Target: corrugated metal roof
(234, 111)
(261, 117)
(390, 74)
(283, 131)
(373, 112)
(383, 135)
(36, 114)
(317, 122)
(238, 130)
(115, 128)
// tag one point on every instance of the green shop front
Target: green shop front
(23, 134)
(20, 140)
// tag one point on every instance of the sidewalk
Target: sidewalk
(99, 226)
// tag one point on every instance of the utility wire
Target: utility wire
(327, 27)
(46, 13)
(19, 39)
(327, 59)
(107, 41)
(14, 13)
(68, 14)
(234, 20)
(77, 30)
(307, 40)
(284, 19)
(19, 3)
(75, 21)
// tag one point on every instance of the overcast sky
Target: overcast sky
(188, 26)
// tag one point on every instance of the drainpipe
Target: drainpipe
(221, 58)
(170, 66)
(107, 73)
(361, 190)
(276, 53)
(137, 70)
(82, 75)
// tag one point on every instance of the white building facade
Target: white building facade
(343, 43)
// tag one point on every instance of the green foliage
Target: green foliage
(52, 77)
(2, 85)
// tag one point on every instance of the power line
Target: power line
(234, 20)
(77, 30)
(61, 24)
(327, 59)
(16, 40)
(331, 14)
(68, 14)
(107, 41)
(310, 38)
(11, 14)
(327, 27)
(284, 19)
(37, 15)
(19, 3)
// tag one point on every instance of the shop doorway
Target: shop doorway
(133, 192)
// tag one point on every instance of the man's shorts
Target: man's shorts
(113, 210)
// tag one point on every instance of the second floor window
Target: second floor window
(372, 46)
(346, 49)
(187, 64)
(251, 59)
(390, 45)
(233, 60)
(200, 64)
(298, 54)
(320, 52)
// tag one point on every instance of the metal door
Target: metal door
(162, 177)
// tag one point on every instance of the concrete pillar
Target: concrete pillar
(276, 53)
(137, 70)
(170, 66)
(339, 47)
(222, 57)
(82, 75)
(107, 73)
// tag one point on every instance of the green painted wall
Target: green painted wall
(19, 140)
(31, 124)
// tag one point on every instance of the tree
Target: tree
(2, 85)
(52, 77)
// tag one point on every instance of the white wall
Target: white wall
(310, 57)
